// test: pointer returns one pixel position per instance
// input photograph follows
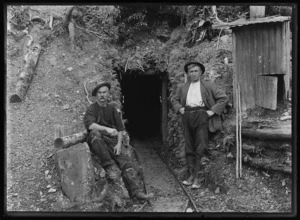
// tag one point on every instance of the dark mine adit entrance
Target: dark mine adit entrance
(144, 100)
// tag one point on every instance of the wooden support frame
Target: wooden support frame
(164, 115)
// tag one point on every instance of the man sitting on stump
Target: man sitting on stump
(105, 127)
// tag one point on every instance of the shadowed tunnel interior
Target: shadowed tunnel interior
(142, 104)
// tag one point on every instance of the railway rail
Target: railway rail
(190, 204)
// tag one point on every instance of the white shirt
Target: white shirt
(194, 97)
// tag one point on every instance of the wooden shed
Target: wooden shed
(261, 56)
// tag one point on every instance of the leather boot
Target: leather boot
(190, 180)
(196, 183)
(112, 172)
(143, 196)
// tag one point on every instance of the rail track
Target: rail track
(190, 205)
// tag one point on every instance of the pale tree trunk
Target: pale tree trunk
(67, 141)
(27, 74)
(257, 12)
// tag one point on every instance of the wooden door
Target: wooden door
(266, 91)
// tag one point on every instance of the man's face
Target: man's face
(194, 73)
(102, 94)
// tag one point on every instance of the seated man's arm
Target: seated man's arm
(90, 122)
(104, 129)
(120, 128)
(117, 148)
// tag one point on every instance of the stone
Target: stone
(284, 118)
(224, 38)
(44, 96)
(76, 172)
(217, 191)
(53, 61)
(66, 106)
(70, 69)
(286, 114)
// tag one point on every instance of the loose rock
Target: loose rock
(66, 106)
(284, 118)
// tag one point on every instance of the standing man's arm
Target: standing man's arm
(221, 100)
(176, 102)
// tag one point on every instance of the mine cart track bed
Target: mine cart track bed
(170, 194)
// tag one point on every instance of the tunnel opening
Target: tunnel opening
(142, 103)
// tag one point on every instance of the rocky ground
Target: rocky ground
(56, 96)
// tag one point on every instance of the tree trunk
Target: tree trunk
(58, 131)
(268, 164)
(283, 133)
(27, 74)
(67, 141)
(257, 12)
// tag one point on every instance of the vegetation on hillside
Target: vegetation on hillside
(130, 32)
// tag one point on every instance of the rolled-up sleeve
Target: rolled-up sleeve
(118, 120)
(89, 117)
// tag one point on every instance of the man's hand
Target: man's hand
(112, 131)
(117, 149)
(181, 110)
(210, 113)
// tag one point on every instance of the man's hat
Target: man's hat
(100, 84)
(194, 62)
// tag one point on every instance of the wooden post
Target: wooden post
(235, 76)
(257, 12)
(240, 132)
(27, 74)
(164, 117)
(237, 135)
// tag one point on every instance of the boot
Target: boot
(190, 180)
(196, 183)
(143, 196)
(112, 172)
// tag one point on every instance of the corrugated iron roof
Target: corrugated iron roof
(243, 22)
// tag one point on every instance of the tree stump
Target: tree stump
(76, 173)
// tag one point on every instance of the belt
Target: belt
(189, 109)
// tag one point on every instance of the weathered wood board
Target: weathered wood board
(266, 95)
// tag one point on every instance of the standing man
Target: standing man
(105, 127)
(200, 104)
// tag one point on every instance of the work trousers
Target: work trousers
(195, 127)
(102, 146)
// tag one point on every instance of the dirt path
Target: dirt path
(169, 197)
